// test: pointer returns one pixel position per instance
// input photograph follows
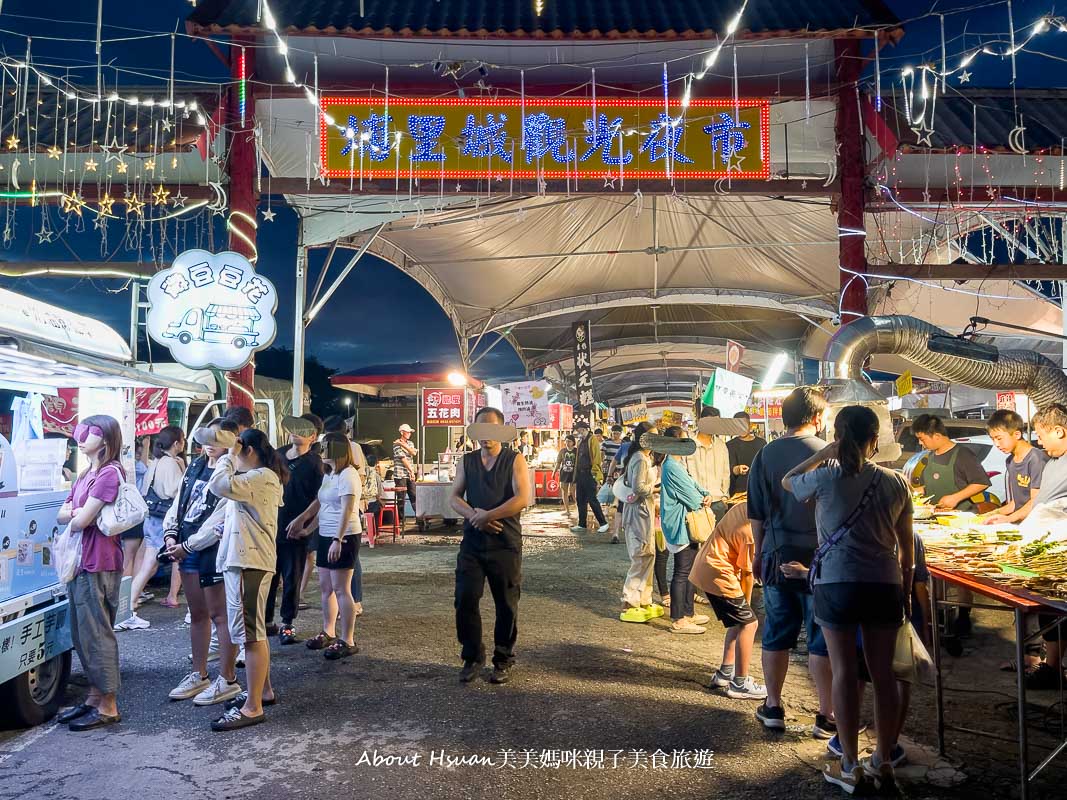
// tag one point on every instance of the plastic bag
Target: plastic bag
(67, 554)
(911, 659)
(606, 496)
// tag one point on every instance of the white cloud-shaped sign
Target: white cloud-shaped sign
(212, 310)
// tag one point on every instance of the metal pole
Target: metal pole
(1020, 682)
(299, 328)
(135, 314)
(935, 641)
(1063, 316)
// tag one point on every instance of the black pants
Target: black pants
(400, 484)
(682, 591)
(503, 569)
(292, 555)
(585, 495)
(660, 571)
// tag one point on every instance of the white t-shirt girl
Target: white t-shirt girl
(335, 487)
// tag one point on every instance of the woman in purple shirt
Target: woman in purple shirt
(94, 592)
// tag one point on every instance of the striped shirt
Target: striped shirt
(400, 472)
(608, 449)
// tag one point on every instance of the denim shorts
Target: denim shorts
(153, 532)
(786, 611)
(202, 563)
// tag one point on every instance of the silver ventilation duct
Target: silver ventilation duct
(1014, 370)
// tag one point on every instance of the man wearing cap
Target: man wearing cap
(491, 489)
(300, 491)
(588, 475)
(404, 453)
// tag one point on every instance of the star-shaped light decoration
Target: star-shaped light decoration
(113, 151)
(150, 165)
(45, 235)
(178, 201)
(922, 136)
(91, 165)
(167, 124)
(609, 182)
(159, 196)
(72, 202)
(134, 205)
(965, 77)
(121, 167)
(268, 215)
(735, 165)
(13, 142)
(105, 203)
(54, 152)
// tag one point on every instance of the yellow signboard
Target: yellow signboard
(550, 139)
(904, 384)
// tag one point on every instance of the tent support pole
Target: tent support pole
(299, 326)
(850, 169)
(351, 265)
(481, 355)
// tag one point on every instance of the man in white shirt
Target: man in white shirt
(709, 466)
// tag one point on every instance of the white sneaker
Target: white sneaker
(603, 528)
(746, 690)
(241, 657)
(191, 685)
(188, 617)
(146, 596)
(218, 691)
(359, 609)
(133, 623)
(720, 681)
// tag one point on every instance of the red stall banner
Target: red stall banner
(443, 407)
(151, 411)
(560, 416)
(59, 413)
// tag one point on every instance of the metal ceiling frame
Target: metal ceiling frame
(560, 354)
(696, 296)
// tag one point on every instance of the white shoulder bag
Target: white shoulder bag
(127, 511)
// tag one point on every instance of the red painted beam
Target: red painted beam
(244, 198)
(851, 172)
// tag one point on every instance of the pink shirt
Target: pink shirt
(100, 553)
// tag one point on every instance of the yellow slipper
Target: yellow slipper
(655, 611)
(634, 615)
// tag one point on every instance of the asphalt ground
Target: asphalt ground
(596, 709)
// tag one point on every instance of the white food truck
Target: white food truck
(44, 349)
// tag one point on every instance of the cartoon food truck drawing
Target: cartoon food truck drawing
(220, 324)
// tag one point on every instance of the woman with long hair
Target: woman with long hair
(162, 483)
(191, 533)
(638, 524)
(336, 513)
(862, 580)
(250, 476)
(94, 592)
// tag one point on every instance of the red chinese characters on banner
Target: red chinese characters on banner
(443, 407)
(59, 413)
(151, 411)
(1005, 401)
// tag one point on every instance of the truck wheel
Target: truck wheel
(239, 342)
(184, 338)
(35, 696)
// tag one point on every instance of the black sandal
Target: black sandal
(321, 641)
(340, 649)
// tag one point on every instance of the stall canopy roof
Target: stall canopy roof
(397, 380)
(561, 19)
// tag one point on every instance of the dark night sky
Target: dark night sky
(390, 305)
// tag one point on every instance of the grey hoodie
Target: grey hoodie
(251, 526)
